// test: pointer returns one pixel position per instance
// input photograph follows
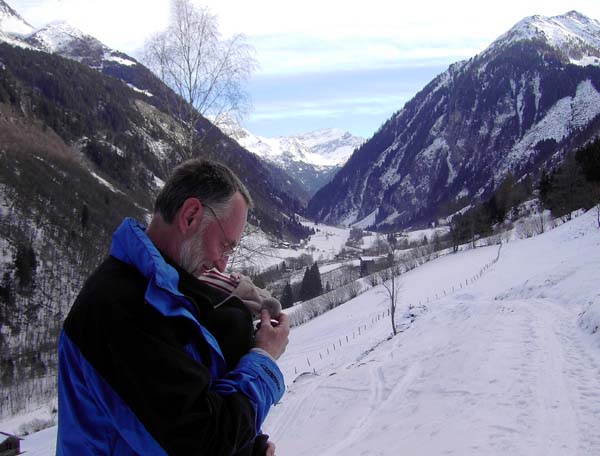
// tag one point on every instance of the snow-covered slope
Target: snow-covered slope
(67, 41)
(334, 145)
(574, 34)
(496, 364)
(11, 22)
(12, 26)
(322, 148)
(59, 38)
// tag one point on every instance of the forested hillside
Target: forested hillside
(80, 150)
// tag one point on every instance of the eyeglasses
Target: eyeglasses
(229, 248)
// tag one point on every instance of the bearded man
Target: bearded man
(153, 361)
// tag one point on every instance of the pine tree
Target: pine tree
(317, 285)
(305, 286)
(311, 283)
(287, 297)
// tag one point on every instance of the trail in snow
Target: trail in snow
(499, 367)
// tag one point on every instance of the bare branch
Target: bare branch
(206, 72)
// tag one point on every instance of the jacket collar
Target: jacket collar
(131, 245)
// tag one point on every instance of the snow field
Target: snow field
(498, 367)
(507, 364)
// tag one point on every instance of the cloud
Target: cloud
(293, 109)
(313, 34)
(334, 34)
(322, 63)
(293, 54)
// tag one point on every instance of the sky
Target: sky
(322, 64)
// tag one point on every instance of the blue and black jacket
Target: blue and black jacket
(147, 366)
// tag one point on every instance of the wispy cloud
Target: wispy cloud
(295, 54)
(332, 107)
(323, 63)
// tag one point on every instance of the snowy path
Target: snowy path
(496, 377)
(498, 368)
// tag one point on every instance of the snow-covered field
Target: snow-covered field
(499, 366)
(322, 246)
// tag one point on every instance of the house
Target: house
(367, 265)
(10, 445)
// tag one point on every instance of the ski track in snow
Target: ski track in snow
(530, 385)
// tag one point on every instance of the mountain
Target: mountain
(530, 97)
(67, 41)
(62, 39)
(275, 194)
(85, 141)
(310, 158)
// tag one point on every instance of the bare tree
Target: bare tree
(391, 288)
(205, 71)
(251, 251)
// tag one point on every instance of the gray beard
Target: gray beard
(191, 255)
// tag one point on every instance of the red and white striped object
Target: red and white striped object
(219, 280)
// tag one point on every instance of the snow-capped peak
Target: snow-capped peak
(574, 34)
(329, 147)
(333, 144)
(311, 158)
(56, 36)
(11, 22)
(64, 39)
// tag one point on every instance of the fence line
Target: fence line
(375, 318)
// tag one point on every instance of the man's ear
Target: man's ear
(189, 215)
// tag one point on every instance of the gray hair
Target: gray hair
(212, 183)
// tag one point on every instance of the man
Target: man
(142, 365)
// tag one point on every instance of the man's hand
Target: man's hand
(272, 339)
(270, 449)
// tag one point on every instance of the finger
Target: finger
(265, 317)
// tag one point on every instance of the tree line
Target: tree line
(571, 185)
(574, 184)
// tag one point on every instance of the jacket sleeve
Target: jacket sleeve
(259, 379)
(140, 376)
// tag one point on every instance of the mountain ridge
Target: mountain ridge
(512, 108)
(311, 158)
